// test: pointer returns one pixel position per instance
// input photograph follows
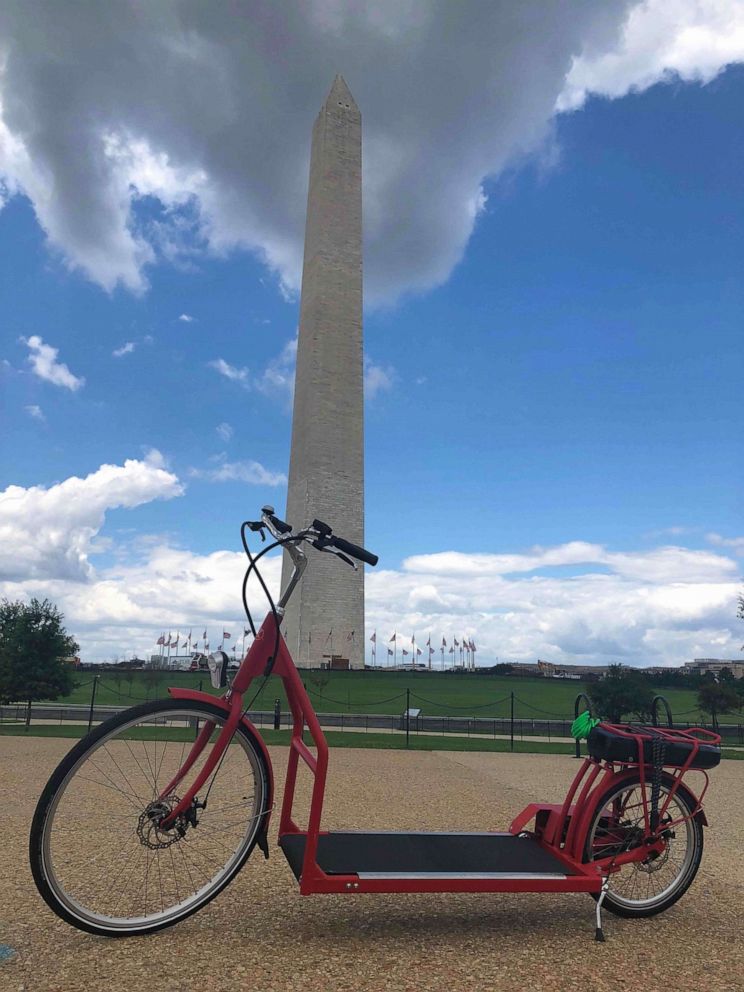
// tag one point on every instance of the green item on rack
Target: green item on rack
(583, 723)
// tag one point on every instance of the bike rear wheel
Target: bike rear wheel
(645, 888)
(97, 854)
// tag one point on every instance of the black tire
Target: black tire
(617, 900)
(46, 872)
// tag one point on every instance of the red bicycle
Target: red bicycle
(153, 813)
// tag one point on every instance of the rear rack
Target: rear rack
(635, 744)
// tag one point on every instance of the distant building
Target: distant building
(179, 662)
(716, 665)
(551, 671)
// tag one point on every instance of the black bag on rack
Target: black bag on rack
(604, 744)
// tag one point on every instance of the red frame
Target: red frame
(560, 829)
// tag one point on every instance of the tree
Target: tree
(717, 697)
(319, 679)
(34, 648)
(151, 679)
(621, 691)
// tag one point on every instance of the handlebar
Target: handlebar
(319, 534)
(354, 551)
(327, 539)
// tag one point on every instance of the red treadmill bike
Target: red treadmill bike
(153, 813)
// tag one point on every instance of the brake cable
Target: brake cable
(253, 567)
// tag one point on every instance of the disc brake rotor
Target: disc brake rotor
(148, 825)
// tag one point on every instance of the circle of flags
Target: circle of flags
(196, 645)
(462, 651)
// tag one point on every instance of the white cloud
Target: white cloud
(735, 543)
(45, 533)
(571, 602)
(208, 116)
(664, 606)
(664, 564)
(44, 364)
(36, 412)
(125, 349)
(224, 431)
(692, 40)
(276, 380)
(247, 471)
(377, 378)
(278, 377)
(186, 318)
(126, 607)
(230, 371)
(592, 616)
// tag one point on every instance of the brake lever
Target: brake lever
(257, 526)
(343, 557)
(321, 545)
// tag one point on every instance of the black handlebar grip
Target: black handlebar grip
(323, 529)
(354, 550)
(281, 525)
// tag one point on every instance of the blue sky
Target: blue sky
(553, 457)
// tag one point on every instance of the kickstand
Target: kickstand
(599, 932)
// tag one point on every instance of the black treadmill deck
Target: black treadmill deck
(426, 855)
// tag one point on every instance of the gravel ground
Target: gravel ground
(261, 935)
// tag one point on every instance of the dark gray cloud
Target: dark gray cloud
(209, 106)
(216, 101)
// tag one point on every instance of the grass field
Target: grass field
(385, 692)
(348, 739)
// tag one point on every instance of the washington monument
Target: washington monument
(326, 471)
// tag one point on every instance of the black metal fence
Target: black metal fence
(551, 727)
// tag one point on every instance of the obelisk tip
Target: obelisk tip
(339, 95)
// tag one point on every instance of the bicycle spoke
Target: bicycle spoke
(646, 884)
(109, 862)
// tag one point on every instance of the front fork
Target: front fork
(188, 804)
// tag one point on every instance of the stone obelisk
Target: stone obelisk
(325, 616)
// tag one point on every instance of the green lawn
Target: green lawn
(385, 692)
(337, 738)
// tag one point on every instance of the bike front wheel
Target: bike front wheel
(98, 855)
(648, 887)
